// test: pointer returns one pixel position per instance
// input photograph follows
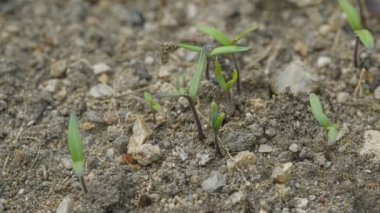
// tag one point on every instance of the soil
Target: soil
(47, 52)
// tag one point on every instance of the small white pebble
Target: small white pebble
(323, 61)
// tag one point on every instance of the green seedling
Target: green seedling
(356, 21)
(153, 105)
(191, 94)
(321, 117)
(226, 86)
(76, 149)
(216, 122)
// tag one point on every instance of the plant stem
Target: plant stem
(207, 73)
(216, 144)
(230, 105)
(81, 179)
(328, 153)
(201, 135)
(154, 118)
(356, 52)
(238, 71)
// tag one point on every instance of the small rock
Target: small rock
(182, 154)
(240, 160)
(21, 192)
(141, 133)
(149, 60)
(298, 76)
(19, 157)
(294, 147)
(51, 85)
(214, 182)
(342, 97)
(101, 91)
(165, 70)
(324, 29)
(301, 202)
(58, 68)
(306, 153)
(66, 163)
(145, 154)
(376, 93)
(101, 68)
(257, 104)
(94, 116)
(371, 144)
(265, 148)
(136, 18)
(320, 159)
(282, 173)
(270, 132)
(110, 154)
(343, 130)
(237, 197)
(323, 61)
(203, 158)
(65, 206)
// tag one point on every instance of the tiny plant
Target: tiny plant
(153, 105)
(356, 19)
(216, 122)
(76, 149)
(321, 117)
(226, 86)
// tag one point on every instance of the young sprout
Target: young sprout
(321, 117)
(76, 149)
(216, 122)
(154, 106)
(356, 21)
(226, 86)
(225, 41)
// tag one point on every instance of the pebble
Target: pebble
(146, 154)
(214, 182)
(164, 71)
(265, 148)
(65, 206)
(324, 29)
(141, 132)
(101, 68)
(58, 68)
(323, 61)
(19, 157)
(298, 76)
(306, 153)
(294, 147)
(237, 197)
(301, 202)
(66, 163)
(21, 192)
(203, 158)
(376, 93)
(342, 97)
(51, 85)
(110, 153)
(282, 173)
(182, 154)
(149, 60)
(101, 91)
(241, 160)
(371, 144)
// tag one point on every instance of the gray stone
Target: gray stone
(265, 148)
(66, 162)
(241, 160)
(182, 154)
(323, 61)
(282, 173)
(101, 68)
(294, 147)
(240, 141)
(214, 182)
(306, 153)
(101, 91)
(110, 154)
(298, 76)
(203, 158)
(58, 68)
(371, 144)
(65, 206)
(237, 197)
(146, 154)
(342, 97)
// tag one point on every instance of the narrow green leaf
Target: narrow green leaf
(75, 145)
(196, 80)
(216, 34)
(352, 14)
(366, 38)
(332, 135)
(155, 107)
(219, 75)
(231, 82)
(147, 96)
(226, 50)
(219, 121)
(245, 33)
(316, 109)
(214, 114)
(190, 47)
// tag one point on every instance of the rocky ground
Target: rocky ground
(97, 57)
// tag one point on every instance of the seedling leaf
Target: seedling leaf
(352, 14)
(75, 145)
(216, 34)
(219, 75)
(332, 135)
(316, 109)
(366, 38)
(190, 47)
(195, 82)
(148, 97)
(244, 33)
(226, 50)
(231, 82)
(216, 118)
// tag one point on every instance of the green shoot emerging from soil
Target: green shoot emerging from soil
(153, 105)
(355, 20)
(321, 117)
(216, 122)
(226, 86)
(76, 149)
